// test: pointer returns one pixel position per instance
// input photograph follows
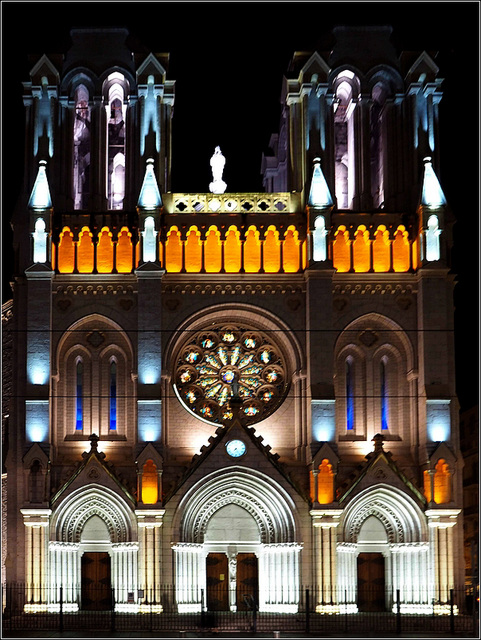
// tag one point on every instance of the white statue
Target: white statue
(217, 163)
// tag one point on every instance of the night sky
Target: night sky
(228, 60)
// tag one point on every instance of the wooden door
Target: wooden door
(96, 587)
(370, 582)
(247, 581)
(217, 582)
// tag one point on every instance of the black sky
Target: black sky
(228, 60)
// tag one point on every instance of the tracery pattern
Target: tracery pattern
(229, 360)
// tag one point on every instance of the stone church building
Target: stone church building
(225, 394)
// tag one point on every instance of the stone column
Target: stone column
(36, 522)
(347, 577)
(324, 524)
(124, 576)
(190, 577)
(279, 577)
(441, 523)
(149, 522)
(64, 576)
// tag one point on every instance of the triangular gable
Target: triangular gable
(315, 65)
(379, 467)
(150, 67)
(424, 64)
(44, 68)
(256, 454)
(325, 451)
(444, 452)
(93, 469)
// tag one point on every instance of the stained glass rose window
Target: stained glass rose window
(229, 360)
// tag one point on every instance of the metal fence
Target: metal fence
(312, 614)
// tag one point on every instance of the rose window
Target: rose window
(223, 362)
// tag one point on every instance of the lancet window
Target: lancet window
(113, 396)
(346, 91)
(384, 395)
(116, 142)
(79, 395)
(81, 148)
(349, 395)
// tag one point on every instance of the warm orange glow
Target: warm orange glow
(137, 254)
(124, 251)
(272, 250)
(212, 251)
(361, 250)
(290, 253)
(400, 250)
(232, 250)
(54, 255)
(415, 253)
(325, 483)
(66, 251)
(105, 252)
(341, 250)
(85, 251)
(173, 251)
(304, 254)
(161, 254)
(381, 250)
(427, 486)
(150, 491)
(442, 482)
(193, 251)
(252, 251)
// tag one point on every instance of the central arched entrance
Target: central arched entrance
(238, 537)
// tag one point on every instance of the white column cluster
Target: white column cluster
(149, 568)
(36, 523)
(124, 576)
(411, 576)
(190, 576)
(441, 523)
(347, 577)
(279, 577)
(64, 576)
(324, 523)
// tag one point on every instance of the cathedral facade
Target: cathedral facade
(226, 394)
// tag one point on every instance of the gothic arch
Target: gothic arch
(72, 513)
(401, 517)
(261, 497)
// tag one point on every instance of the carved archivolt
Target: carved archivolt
(382, 512)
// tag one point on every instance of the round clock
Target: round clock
(235, 448)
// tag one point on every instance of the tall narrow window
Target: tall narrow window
(113, 397)
(349, 396)
(116, 146)
(81, 149)
(344, 138)
(79, 397)
(384, 398)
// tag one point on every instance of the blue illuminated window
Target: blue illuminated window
(113, 397)
(79, 420)
(384, 398)
(349, 396)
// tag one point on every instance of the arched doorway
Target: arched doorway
(238, 543)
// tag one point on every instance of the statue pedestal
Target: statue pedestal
(218, 186)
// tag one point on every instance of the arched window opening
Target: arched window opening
(124, 251)
(442, 482)
(325, 478)
(349, 395)
(116, 146)
(232, 250)
(344, 138)
(379, 95)
(361, 250)
(79, 418)
(432, 239)
(173, 251)
(66, 252)
(341, 250)
(150, 487)
(40, 241)
(400, 250)
(272, 250)
(381, 252)
(148, 240)
(105, 251)
(290, 253)
(193, 251)
(319, 252)
(81, 149)
(384, 396)
(212, 251)
(113, 396)
(252, 251)
(85, 251)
